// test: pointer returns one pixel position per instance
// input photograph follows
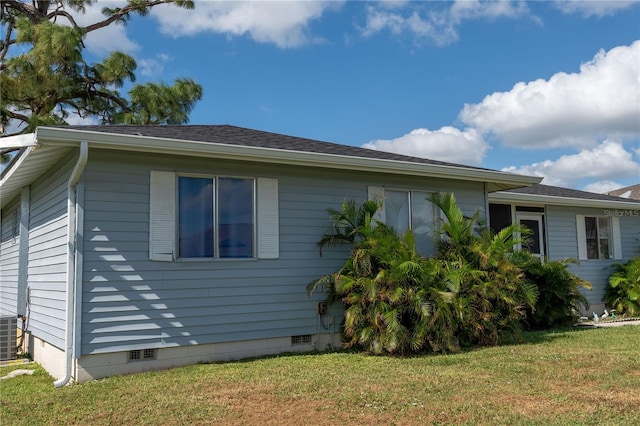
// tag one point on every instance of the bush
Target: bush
(623, 291)
(491, 294)
(398, 302)
(559, 297)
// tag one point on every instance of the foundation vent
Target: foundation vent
(8, 329)
(142, 355)
(304, 339)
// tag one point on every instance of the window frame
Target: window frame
(216, 209)
(614, 237)
(380, 194)
(599, 237)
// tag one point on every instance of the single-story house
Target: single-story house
(130, 248)
(595, 229)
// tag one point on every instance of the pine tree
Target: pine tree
(45, 76)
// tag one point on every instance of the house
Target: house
(595, 229)
(632, 192)
(129, 248)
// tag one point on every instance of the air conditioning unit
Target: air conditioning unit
(8, 328)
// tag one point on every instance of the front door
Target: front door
(534, 223)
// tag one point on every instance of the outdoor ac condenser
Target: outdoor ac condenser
(8, 327)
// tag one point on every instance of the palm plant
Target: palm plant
(491, 295)
(391, 303)
(380, 287)
(349, 224)
(623, 291)
(559, 290)
(396, 301)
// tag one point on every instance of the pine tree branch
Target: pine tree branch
(121, 14)
(21, 8)
(5, 44)
(16, 116)
(60, 12)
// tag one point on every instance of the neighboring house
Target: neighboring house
(631, 192)
(595, 229)
(128, 248)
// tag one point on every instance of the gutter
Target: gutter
(497, 180)
(513, 197)
(71, 261)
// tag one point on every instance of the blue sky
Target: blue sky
(542, 88)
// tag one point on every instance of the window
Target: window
(215, 217)
(598, 237)
(212, 217)
(403, 210)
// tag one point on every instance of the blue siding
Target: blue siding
(48, 254)
(563, 243)
(9, 260)
(130, 302)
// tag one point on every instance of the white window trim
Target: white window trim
(163, 212)
(377, 193)
(615, 245)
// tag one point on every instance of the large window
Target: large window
(215, 217)
(411, 210)
(598, 237)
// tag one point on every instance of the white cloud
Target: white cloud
(447, 144)
(593, 8)
(283, 23)
(602, 186)
(602, 100)
(74, 119)
(436, 23)
(152, 67)
(607, 161)
(462, 10)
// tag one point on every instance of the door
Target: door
(535, 224)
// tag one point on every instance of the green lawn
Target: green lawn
(585, 376)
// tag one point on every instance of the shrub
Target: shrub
(396, 301)
(623, 291)
(491, 294)
(559, 297)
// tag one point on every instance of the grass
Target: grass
(564, 377)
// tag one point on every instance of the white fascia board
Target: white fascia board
(500, 180)
(15, 165)
(561, 201)
(18, 141)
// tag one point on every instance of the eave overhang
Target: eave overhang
(59, 138)
(498, 180)
(518, 198)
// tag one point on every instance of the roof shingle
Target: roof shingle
(556, 191)
(233, 135)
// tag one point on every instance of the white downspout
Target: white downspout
(71, 261)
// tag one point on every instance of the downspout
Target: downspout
(71, 261)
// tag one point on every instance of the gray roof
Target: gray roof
(233, 135)
(556, 191)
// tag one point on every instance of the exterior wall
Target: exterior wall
(9, 260)
(47, 257)
(130, 302)
(91, 367)
(563, 243)
(48, 356)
